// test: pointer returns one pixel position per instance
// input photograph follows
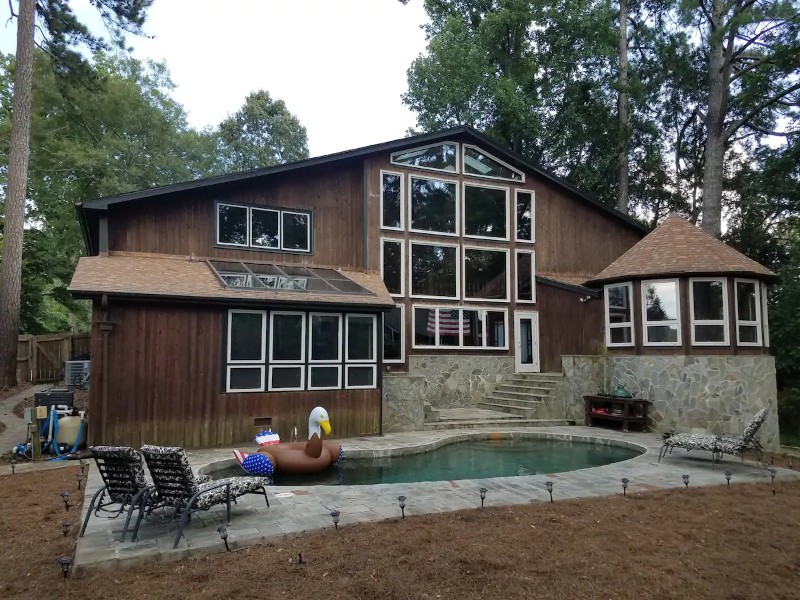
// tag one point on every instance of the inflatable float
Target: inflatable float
(296, 457)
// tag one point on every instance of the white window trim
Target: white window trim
(374, 368)
(230, 390)
(493, 157)
(337, 366)
(444, 143)
(300, 361)
(764, 314)
(517, 299)
(402, 201)
(402, 264)
(375, 332)
(308, 230)
(411, 293)
(725, 315)
(533, 216)
(625, 325)
(506, 189)
(250, 227)
(757, 322)
(338, 359)
(461, 346)
(507, 252)
(216, 222)
(254, 362)
(402, 359)
(457, 206)
(675, 322)
(300, 366)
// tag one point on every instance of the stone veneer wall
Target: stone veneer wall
(718, 394)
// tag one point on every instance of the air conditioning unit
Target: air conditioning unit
(76, 373)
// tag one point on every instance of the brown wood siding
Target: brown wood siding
(567, 326)
(164, 382)
(184, 225)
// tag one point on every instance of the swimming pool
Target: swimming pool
(478, 459)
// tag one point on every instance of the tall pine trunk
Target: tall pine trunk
(622, 109)
(11, 268)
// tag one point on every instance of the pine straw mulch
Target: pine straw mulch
(736, 542)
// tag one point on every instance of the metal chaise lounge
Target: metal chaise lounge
(176, 486)
(720, 444)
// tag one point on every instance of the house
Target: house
(368, 281)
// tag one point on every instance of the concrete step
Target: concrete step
(556, 377)
(519, 395)
(517, 380)
(498, 423)
(524, 411)
(524, 388)
(512, 401)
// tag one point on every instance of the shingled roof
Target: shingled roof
(676, 247)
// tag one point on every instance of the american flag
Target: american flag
(448, 322)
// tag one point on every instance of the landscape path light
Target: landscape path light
(482, 492)
(65, 562)
(625, 481)
(222, 530)
(549, 486)
(685, 480)
(401, 501)
(65, 525)
(65, 498)
(772, 473)
(335, 516)
(13, 464)
(79, 478)
(728, 476)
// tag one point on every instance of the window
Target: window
(524, 217)
(482, 164)
(456, 327)
(433, 206)
(246, 352)
(764, 315)
(709, 303)
(485, 212)
(486, 274)
(392, 266)
(361, 352)
(391, 200)
(325, 347)
(748, 313)
(287, 346)
(619, 314)
(435, 270)
(438, 157)
(526, 276)
(393, 338)
(661, 312)
(263, 228)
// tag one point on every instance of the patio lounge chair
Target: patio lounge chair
(124, 485)
(176, 485)
(719, 444)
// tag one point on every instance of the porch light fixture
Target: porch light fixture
(65, 498)
(482, 492)
(625, 481)
(772, 473)
(401, 501)
(65, 525)
(728, 476)
(65, 562)
(335, 516)
(222, 530)
(79, 478)
(13, 464)
(549, 486)
(685, 480)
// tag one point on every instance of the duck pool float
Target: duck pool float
(296, 457)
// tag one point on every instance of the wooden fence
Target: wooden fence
(41, 358)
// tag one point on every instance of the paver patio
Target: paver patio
(296, 509)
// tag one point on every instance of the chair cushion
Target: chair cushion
(174, 477)
(239, 487)
(754, 425)
(693, 441)
(122, 472)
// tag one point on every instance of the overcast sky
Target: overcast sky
(340, 65)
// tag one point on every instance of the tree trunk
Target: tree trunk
(11, 268)
(622, 109)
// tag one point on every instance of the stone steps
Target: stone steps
(524, 411)
(503, 392)
(476, 424)
(518, 402)
(524, 388)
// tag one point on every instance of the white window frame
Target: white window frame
(532, 193)
(372, 366)
(460, 346)
(263, 314)
(675, 322)
(402, 359)
(757, 322)
(302, 360)
(338, 359)
(360, 362)
(493, 157)
(402, 201)
(411, 293)
(216, 223)
(402, 243)
(281, 365)
(625, 325)
(250, 227)
(725, 314)
(337, 366)
(506, 189)
(308, 230)
(463, 282)
(445, 143)
(764, 314)
(517, 299)
(230, 390)
(457, 206)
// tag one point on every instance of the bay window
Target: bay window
(458, 327)
(661, 313)
(618, 299)
(748, 312)
(709, 311)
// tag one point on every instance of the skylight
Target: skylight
(260, 276)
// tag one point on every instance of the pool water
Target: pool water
(464, 460)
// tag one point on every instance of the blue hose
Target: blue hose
(53, 443)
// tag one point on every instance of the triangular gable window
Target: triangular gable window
(439, 157)
(482, 164)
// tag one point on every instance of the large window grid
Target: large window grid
(748, 312)
(618, 301)
(430, 281)
(436, 200)
(462, 327)
(482, 219)
(661, 312)
(263, 228)
(708, 302)
(488, 284)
